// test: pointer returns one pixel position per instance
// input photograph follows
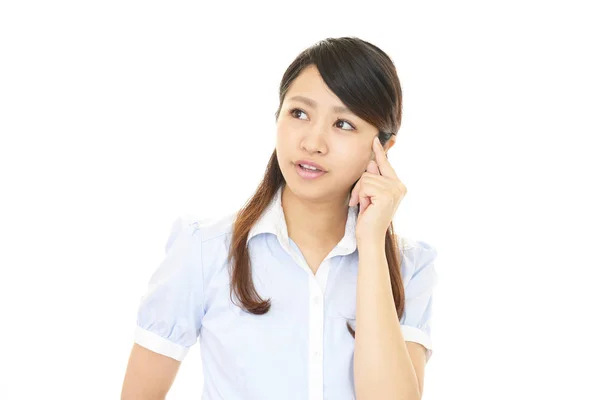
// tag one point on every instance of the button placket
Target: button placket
(315, 341)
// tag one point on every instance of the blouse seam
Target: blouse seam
(198, 231)
(216, 236)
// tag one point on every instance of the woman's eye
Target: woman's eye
(349, 124)
(294, 112)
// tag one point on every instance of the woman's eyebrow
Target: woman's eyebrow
(313, 104)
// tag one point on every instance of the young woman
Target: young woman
(306, 292)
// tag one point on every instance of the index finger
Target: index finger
(383, 163)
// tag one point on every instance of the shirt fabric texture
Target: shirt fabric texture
(300, 349)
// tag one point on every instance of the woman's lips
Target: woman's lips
(308, 174)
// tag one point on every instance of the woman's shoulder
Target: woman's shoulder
(203, 240)
(416, 255)
(206, 227)
(211, 235)
(408, 243)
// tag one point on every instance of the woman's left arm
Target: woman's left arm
(385, 367)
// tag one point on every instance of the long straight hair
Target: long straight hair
(365, 80)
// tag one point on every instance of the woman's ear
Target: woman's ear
(390, 143)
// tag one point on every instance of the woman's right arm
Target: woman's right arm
(169, 316)
(149, 375)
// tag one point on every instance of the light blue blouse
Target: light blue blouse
(300, 349)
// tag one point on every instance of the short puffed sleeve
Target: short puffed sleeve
(170, 313)
(421, 278)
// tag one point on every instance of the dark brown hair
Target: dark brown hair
(365, 80)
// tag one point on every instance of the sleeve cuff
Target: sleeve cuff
(412, 334)
(158, 344)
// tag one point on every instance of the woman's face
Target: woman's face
(337, 140)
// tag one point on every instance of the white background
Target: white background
(118, 116)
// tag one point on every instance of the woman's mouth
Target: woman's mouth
(308, 173)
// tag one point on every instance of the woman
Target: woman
(306, 292)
